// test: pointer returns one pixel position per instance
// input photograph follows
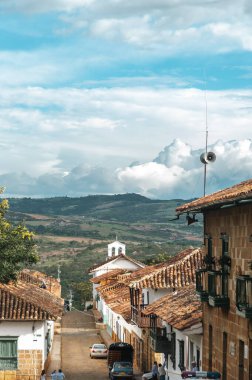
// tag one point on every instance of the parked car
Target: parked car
(119, 352)
(121, 371)
(98, 350)
(147, 376)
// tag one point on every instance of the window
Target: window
(209, 246)
(224, 239)
(8, 353)
(244, 292)
(209, 259)
(241, 361)
(210, 347)
(212, 284)
(224, 356)
(173, 350)
(181, 355)
(224, 282)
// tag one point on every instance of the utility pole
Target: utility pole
(70, 299)
(59, 272)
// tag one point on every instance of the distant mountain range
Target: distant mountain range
(129, 208)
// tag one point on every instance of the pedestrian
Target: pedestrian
(161, 372)
(154, 371)
(43, 284)
(43, 375)
(60, 375)
(194, 367)
(54, 375)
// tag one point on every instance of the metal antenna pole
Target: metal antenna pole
(205, 165)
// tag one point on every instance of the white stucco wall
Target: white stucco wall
(190, 341)
(154, 295)
(31, 334)
(118, 263)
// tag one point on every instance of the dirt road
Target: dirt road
(78, 333)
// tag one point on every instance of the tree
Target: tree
(17, 247)
(83, 292)
(160, 258)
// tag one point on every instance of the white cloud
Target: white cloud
(169, 26)
(164, 177)
(113, 127)
(33, 6)
(184, 178)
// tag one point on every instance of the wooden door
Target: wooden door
(241, 360)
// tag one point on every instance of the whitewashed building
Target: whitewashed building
(27, 315)
(116, 260)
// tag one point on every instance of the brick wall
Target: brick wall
(236, 222)
(29, 366)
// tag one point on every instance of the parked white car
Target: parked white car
(98, 350)
(147, 376)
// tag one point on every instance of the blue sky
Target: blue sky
(105, 97)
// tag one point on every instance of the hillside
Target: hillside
(74, 232)
(122, 207)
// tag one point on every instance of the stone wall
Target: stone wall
(29, 366)
(236, 223)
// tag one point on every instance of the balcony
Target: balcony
(244, 296)
(218, 289)
(200, 284)
(219, 301)
(139, 318)
(159, 341)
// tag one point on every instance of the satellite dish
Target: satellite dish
(208, 157)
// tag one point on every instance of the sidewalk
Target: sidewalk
(55, 356)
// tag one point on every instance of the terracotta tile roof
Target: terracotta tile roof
(181, 309)
(177, 272)
(239, 192)
(117, 299)
(92, 269)
(36, 277)
(26, 301)
(108, 275)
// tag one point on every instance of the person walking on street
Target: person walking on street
(43, 375)
(154, 371)
(60, 375)
(54, 375)
(161, 372)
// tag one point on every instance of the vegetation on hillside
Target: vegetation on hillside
(74, 232)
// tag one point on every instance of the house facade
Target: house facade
(135, 309)
(156, 307)
(224, 283)
(116, 259)
(27, 316)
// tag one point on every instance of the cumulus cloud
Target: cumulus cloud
(178, 173)
(175, 173)
(48, 131)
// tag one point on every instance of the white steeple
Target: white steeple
(116, 248)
